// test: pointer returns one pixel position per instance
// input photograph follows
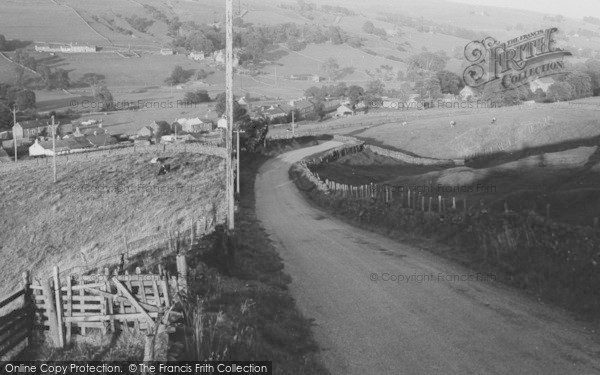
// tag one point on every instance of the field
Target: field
(84, 214)
(516, 128)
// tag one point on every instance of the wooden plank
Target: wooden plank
(136, 323)
(102, 317)
(9, 317)
(23, 323)
(156, 295)
(8, 345)
(82, 294)
(121, 299)
(59, 315)
(141, 289)
(11, 298)
(133, 301)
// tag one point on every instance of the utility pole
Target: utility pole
(14, 111)
(54, 147)
(237, 168)
(293, 125)
(229, 112)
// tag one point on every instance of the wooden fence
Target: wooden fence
(68, 306)
(16, 322)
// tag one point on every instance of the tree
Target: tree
(163, 129)
(315, 92)
(559, 91)
(178, 75)
(426, 61)
(197, 41)
(295, 45)
(195, 97)
(368, 27)
(25, 99)
(331, 67)
(581, 84)
(61, 79)
(255, 45)
(254, 134)
(239, 112)
(429, 87)
(450, 83)
(355, 94)
(375, 87)
(336, 35)
(19, 76)
(105, 98)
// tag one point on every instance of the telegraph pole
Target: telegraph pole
(54, 147)
(14, 111)
(293, 125)
(229, 112)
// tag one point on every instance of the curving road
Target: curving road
(423, 324)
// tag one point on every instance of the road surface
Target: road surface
(383, 307)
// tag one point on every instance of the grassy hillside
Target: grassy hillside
(44, 224)
(516, 128)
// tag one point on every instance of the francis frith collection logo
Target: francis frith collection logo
(516, 62)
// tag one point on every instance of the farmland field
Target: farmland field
(515, 128)
(46, 224)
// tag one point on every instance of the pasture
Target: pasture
(516, 128)
(83, 213)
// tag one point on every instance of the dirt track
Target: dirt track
(423, 324)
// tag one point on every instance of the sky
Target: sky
(568, 8)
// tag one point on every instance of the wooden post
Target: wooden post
(182, 271)
(423, 203)
(430, 200)
(126, 248)
(149, 348)
(454, 203)
(50, 307)
(439, 203)
(61, 336)
(408, 199)
(69, 310)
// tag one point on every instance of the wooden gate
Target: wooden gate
(105, 302)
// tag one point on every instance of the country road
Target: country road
(367, 322)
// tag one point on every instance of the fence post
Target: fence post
(50, 307)
(61, 337)
(454, 203)
(430, 200)
(439, 203)
(423, 203)
(182, 271)
(408, 199)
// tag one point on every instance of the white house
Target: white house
(196, 56)
(194, 125)
(344, 111)
(541, 83)
(45, 148)
(467, 93)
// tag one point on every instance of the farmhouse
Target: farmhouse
(303, 106)
(305, 77)
(65, 48)
(46, 148)
(344, 111)
(146, 131)
(143, 141)
(467, 93)
(101, 140)
(194, 125)
(29, 129)
(196, 56)
(167, 52)
(541, 83)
